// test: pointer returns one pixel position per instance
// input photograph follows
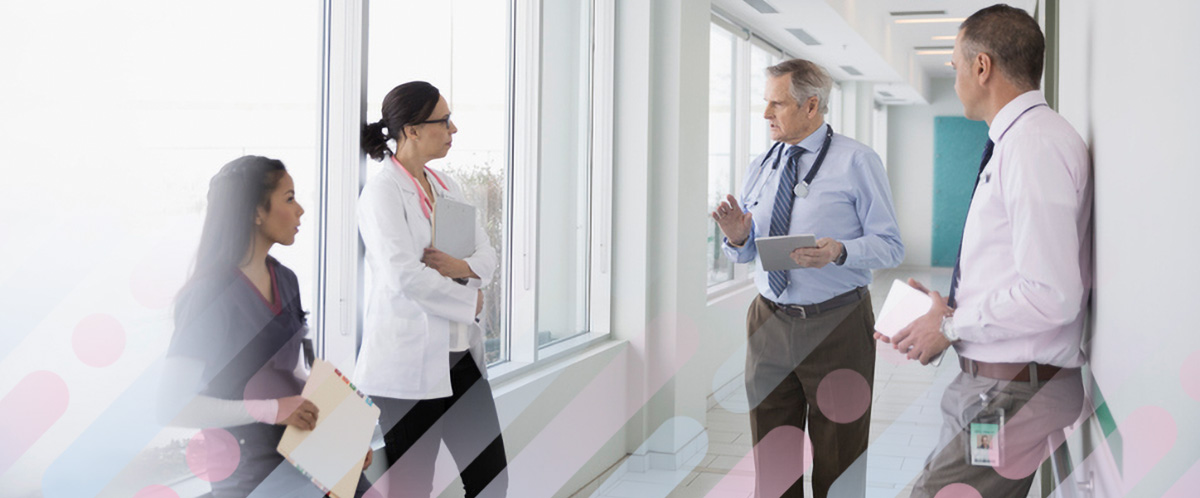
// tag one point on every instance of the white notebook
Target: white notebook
(903, 305)
(454, 228)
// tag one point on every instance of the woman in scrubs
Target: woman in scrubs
(422, 355)
(234, 362)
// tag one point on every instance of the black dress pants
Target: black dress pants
(466, 421)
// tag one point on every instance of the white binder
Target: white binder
(454, 228)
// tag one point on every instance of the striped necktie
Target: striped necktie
(781, 214)
(956, 276)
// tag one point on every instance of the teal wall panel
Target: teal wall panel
(957, 148)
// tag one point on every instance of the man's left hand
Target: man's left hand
(922, 339)
(827, 251)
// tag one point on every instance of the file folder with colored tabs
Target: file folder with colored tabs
(333, 453)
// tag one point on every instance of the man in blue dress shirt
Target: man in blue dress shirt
(811, 353)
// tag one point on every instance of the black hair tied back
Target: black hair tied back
(374, 141)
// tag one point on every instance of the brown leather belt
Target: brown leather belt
(1016, 372)
(807, 310)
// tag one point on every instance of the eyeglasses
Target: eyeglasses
(444, 121)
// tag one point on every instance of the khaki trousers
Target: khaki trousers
(786, 359)
(1032, 413)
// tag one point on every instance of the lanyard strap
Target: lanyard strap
(426, 203)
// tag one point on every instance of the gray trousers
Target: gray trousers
(787, 359)
(1032, 414)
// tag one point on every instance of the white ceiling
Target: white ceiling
(863, 34)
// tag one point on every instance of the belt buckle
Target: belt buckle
(795, 310)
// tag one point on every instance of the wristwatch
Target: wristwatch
(947, 328)
(841, 259)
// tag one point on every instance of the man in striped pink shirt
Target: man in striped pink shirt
(1019, 294)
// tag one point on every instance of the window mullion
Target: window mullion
(343, 107)
(526, 147)
(741, 125)
(601, 145)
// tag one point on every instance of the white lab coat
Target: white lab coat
(406, 336)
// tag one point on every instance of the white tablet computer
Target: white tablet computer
(775, 252)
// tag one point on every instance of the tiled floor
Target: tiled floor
(905, 420)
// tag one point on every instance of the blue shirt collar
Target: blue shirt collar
(813, 142)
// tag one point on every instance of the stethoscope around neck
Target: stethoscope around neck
(426, 203)
(802, 187)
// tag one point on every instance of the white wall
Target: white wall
(1128, 85)
(910, 167)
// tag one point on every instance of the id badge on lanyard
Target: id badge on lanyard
(984, 446)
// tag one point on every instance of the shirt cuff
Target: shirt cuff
(854, 253)
(967, 324)
(738, 253)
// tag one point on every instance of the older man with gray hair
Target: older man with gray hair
(811, 356)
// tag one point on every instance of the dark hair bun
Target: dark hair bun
(374, 141)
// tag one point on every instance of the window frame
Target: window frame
(523, 346)
(744, 40)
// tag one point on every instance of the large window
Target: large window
(113, 131)
(461, 47)
(563, 183)
(115, 117)
(520, 78)
(737, 132)
(722, 87)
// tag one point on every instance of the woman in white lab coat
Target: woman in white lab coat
(422, 356)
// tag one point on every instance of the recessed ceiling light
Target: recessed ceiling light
(935, 52)
(803, 36)
(762, 7)
(930, 20)
(919, 13)
(949, 64)
(946, 37)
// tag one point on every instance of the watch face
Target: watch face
(947, 330)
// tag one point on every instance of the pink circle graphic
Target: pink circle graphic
(213, 454)
(1190, 375)
(98, 340)
(32, 407)
(783, 456)
(156, 491)
(843, 396)
(1148, 434)
(958, 490)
